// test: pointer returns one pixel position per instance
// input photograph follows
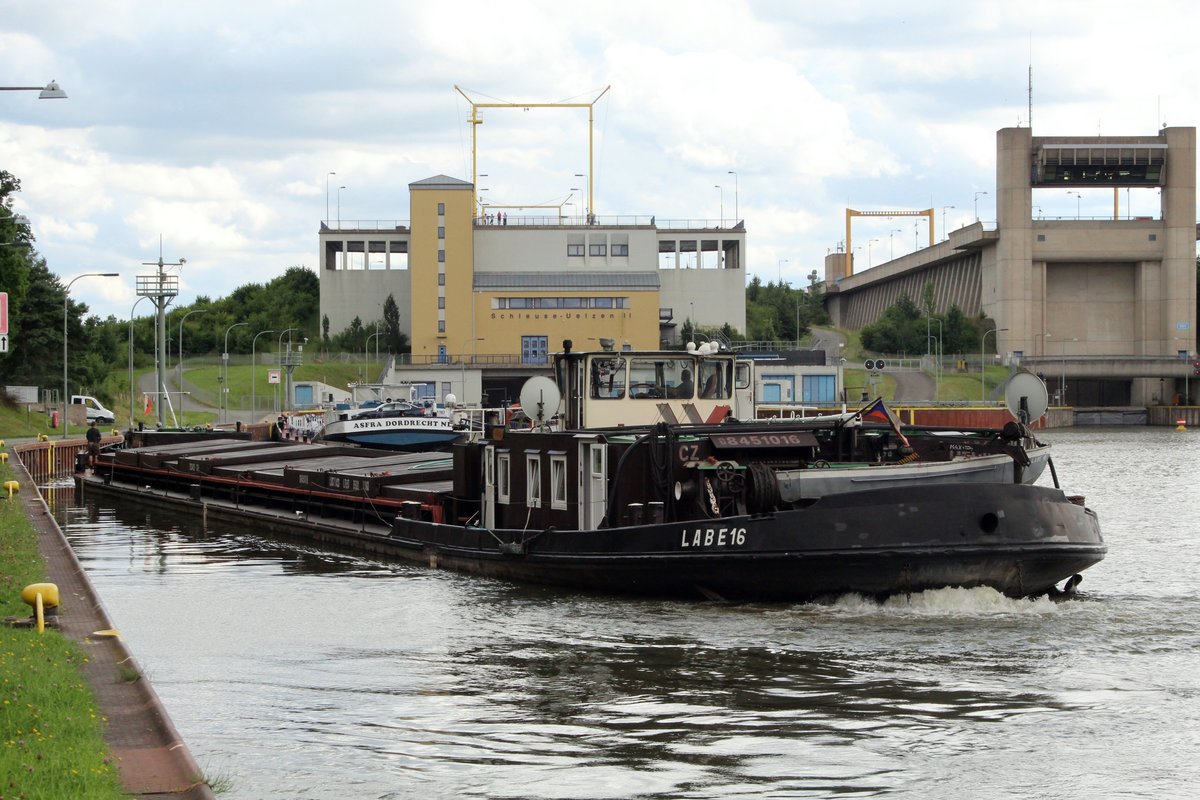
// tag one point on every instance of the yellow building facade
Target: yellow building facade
(485, 289)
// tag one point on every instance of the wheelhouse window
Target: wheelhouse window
(607, 379)
(654, 379)
(716, 380)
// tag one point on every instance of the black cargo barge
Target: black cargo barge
(668, 510)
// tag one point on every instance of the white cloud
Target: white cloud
(214, 126)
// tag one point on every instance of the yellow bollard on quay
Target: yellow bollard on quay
(3, 458)
(12, 486)
(1180, 424)
(44, 599)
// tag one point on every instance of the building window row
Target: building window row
(576, 249)
(560, 302)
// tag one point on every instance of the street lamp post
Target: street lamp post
(66, 300)
(225, 361)
(462, 369)
(51, 91)
(870, 262)
(587, 187)
(327, 195)
(181, 392)
(945, 233)
(1078, 204)
(736, 215)
(892, 243)
(367, 349)
(135, 305)
(977, 196)
(253, 364)
(283, 393)
(722, 191)
(937, 367)
(982, 373)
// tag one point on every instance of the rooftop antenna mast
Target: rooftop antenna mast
(161, 288)
(1029, 113)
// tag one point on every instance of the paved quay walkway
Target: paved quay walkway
(154, 762)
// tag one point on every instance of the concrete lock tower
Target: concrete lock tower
(1103, 304)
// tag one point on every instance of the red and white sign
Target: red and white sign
(3, 313)
(272, 376)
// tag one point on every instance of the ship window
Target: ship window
(503, 478)
(533, 480)
(742, 376)
(654, 379)
(558, 481)
(608, 378)
(714, 380)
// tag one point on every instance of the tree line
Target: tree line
(99, 348)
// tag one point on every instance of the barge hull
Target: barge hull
(1020, 540)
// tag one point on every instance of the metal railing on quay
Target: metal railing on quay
(54, 458)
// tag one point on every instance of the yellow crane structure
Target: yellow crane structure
(476, 121)
(851, 213)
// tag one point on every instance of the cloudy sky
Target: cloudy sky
(215, 125)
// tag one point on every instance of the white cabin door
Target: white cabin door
(489, 487)
(593, 483)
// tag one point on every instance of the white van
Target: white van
(96, 412)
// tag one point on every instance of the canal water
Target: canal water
(294, 672)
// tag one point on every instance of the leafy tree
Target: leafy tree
(776, 311)
(396, 340)
(900, 329)
(353, 338)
